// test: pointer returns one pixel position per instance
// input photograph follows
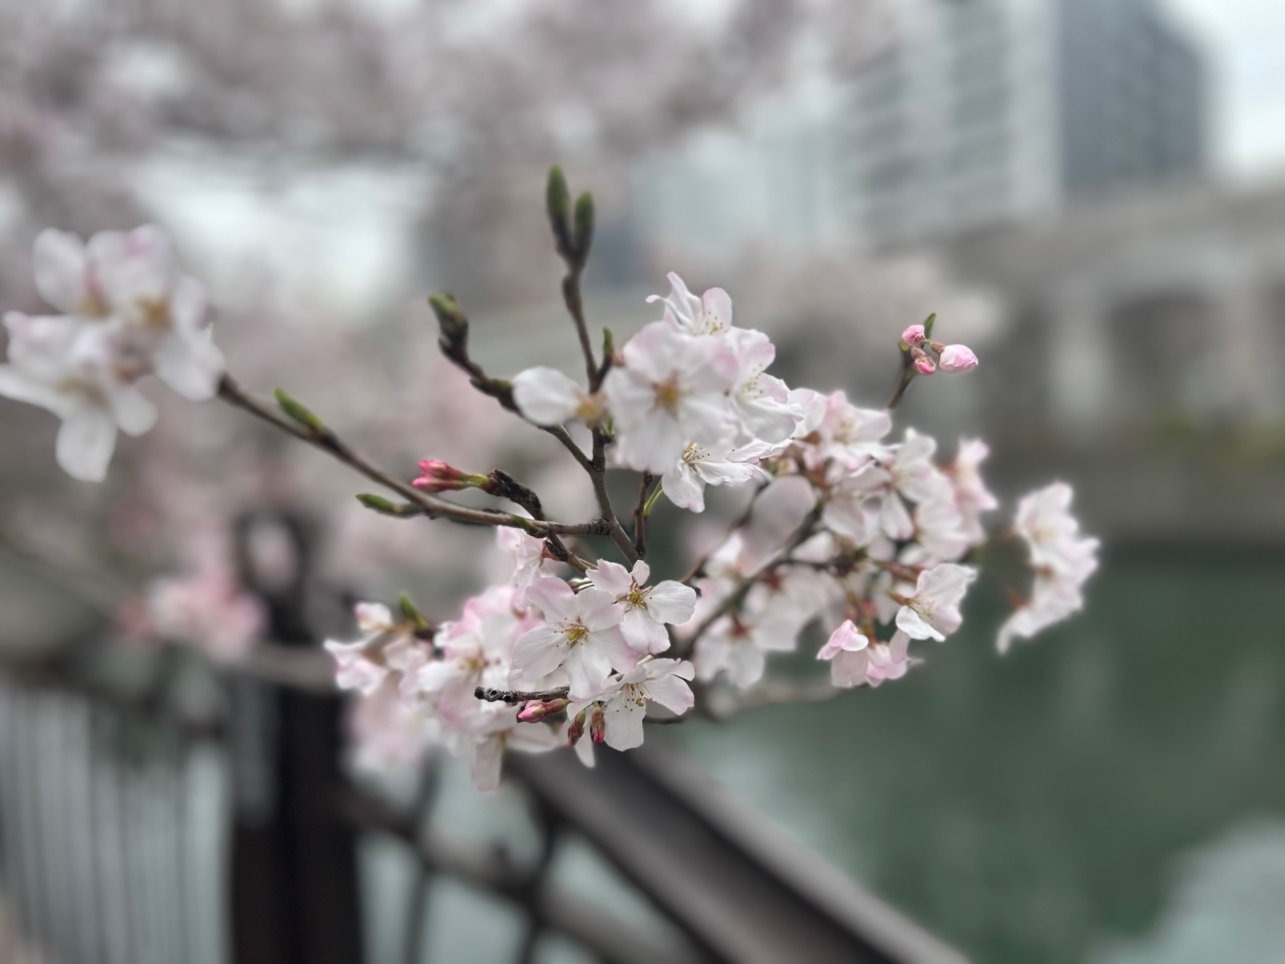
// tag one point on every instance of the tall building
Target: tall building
(982, 112)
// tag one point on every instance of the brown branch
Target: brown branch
(640, 514)
(424, 504)
(491, 695)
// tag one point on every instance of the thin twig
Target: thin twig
(491, 695)
(640, 514)
(428, 505)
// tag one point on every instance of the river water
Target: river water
(1110, 792)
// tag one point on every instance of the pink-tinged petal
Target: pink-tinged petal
(587, 670)
(538, 652)
(705, 417)
(61, 271)
(673, 693)
(546, 396)
(85, 444)
(957, 358)
(597, 610)
(642, 633)
(487, 758)
(612, 643)
(22, 387)
(189, 304)
(624, 723)
(719, 472)
(745, 665)
(894, 519)
(848, 669)
(132, 411)
(671, 602)
(914, 626)
(717, 309)
(554, 598)
(190, 363)
(611, 577)
(847, 638)
(373, 617)
(532, 739)
(684, 487)
(641, 572)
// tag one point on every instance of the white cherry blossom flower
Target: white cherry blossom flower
(709, 314)
(890, 660)
(684, 483)
(646, 608)
(1052, 534)
(494, 730)
(582, 635)
(738, 646)
(672, 390)
(547, 396)
(134, 277)
(360, 665)
(662, 681)
(71, 369)
(1053, 599)
(932, 612)
(760, 401)
(971, 495)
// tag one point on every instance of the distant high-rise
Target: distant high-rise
(990, 111)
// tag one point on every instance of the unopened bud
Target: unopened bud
(450, 318)
(923, 364)
(437, 476)
(575, 729)
(299, 413)
(957, 358)
(536, 710)
(557, 201)
(378, 503)
(913, 336)
(584, 226)
(598, 724)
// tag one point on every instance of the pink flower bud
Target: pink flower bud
(598, 724)
(437, 476)
(536, 710)
(958, 358)
(923, 364)
(575, 729)
(913, 336)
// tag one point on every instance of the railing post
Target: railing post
(295, 890)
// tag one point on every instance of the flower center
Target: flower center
(576, 632)
(668, 395)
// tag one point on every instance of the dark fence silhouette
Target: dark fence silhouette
(175, 815)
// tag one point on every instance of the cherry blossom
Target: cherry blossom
(647, 609)
(360, 665)
(581, 636)
(847, 651)
(547, 396)
(957, 358)
(932, 612)
(74, 371)
(624, 702)
(209, 611)
(890, 660)
(672, 390)
(684, 483)
(709, 314)
(760, 401)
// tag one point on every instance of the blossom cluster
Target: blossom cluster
(856, 541)
(124, 311)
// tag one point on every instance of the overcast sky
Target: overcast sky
(1245, 42)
